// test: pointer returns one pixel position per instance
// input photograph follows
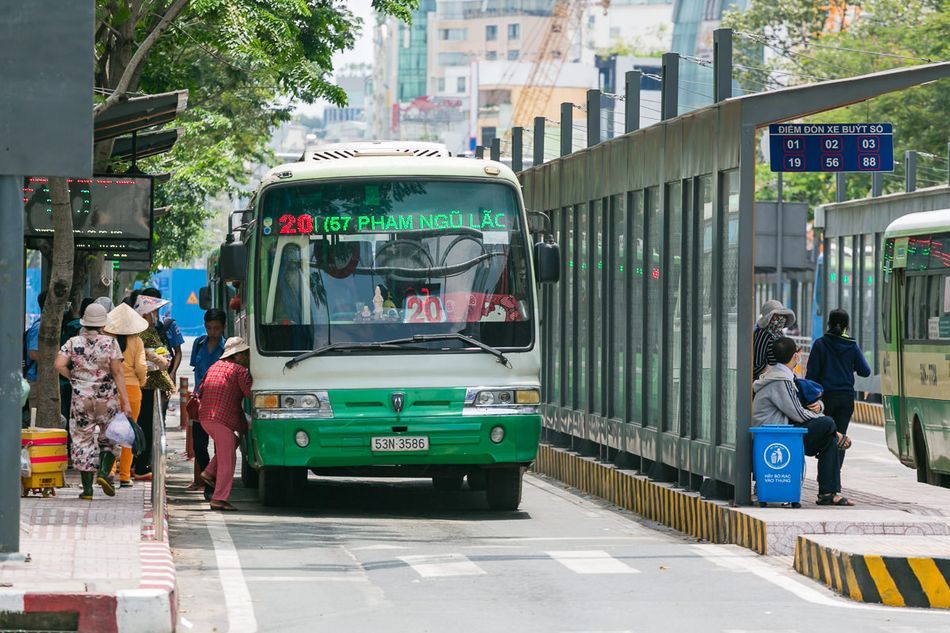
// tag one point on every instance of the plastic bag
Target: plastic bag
(26, 468)
(120, 431)
(138, 447)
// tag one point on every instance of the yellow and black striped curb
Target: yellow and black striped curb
(897, 581)
(868, 413)
(685, 511)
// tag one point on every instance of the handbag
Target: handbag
(193, 406)
(120, 431)
(138, 445)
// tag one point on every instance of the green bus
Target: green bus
(915, 343)
(388, 293)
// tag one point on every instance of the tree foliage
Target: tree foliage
(789, 42)
(243, 62)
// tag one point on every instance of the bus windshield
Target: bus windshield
(365, 260)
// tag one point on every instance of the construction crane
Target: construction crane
(566, 17)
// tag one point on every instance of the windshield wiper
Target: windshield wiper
(399, 343)
(452, 336)
(296, 360)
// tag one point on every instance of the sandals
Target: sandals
(844, 443)
(223, 506)
(831, 500)
(195, 487)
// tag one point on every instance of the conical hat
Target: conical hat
(124, 320)
(144, 304)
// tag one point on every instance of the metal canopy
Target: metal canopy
(144, 145)
(140, 113)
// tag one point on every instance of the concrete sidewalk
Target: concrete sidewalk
(91, 566)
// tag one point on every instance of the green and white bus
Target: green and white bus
(389, 297)
(915, 377)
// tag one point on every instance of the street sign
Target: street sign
(813, 147)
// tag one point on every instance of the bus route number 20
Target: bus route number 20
(424, 308)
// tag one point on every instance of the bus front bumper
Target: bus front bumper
(456, 441)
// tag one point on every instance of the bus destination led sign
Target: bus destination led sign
(307, 224)
(831, 147)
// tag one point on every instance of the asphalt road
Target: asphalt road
(378, 555)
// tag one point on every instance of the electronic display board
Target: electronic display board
(837, 147)
(109, 212)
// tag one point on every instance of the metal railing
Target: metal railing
(158, 468)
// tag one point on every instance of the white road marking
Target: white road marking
(380, 547)
(736, 559)
(442, 565)
(592, 562)
(331, 578)
(237, 597)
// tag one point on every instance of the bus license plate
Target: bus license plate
(400, 444)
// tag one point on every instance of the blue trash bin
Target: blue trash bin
(778, 463)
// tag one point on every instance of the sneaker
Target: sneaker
(145, 477)
(125, 484)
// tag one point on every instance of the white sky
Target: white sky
(361, 53)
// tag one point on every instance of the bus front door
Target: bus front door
(904, 424)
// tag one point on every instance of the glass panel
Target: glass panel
(567, 281)
(619, 276)
(674, 337)
(686, 312)
(730, 302)
(847, 274)
(583, 304)
(654, 265)
(704, 432)
(636, 309)
(354, 262)
(833, 282)
(597, 325)
(554, 315)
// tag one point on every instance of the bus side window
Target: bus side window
(886, 301)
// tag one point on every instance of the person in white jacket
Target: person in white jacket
(777, 402)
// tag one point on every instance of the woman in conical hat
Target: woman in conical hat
(125, 325)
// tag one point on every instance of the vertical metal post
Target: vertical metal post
(669, 91)
(517, 149)
(779, 238)
(841, 187)
(495, 151)
(593, 117)
(631, 108)
(722, 65)
(567, 128)
(746, 313)
(479, 151)
(158, 467)
(910, 171)
(877, 184)
(538, 140)
(11, 349)
(948, 163)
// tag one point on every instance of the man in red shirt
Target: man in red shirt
(221, 397)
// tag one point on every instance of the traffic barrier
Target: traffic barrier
(682, 510)
(868, 413)
(896, 581)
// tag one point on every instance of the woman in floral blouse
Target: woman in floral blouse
(92, 362)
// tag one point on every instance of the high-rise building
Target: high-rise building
(412, 48)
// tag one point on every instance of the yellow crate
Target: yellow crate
(43, 483)
(47, 450)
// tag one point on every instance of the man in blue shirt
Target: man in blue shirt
(206, 352)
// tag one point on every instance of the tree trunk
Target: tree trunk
(46, 391)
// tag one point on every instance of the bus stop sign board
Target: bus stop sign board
(812, 147)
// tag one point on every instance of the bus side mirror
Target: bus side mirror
(547, 261)
(233, 261)
(204, 298)
(539, 223)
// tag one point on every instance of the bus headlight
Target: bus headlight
(292, 405)
(484, 400)
(302, 439)
(497, 434)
